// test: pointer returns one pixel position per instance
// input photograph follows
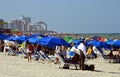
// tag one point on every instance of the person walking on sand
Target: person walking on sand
(27, 46)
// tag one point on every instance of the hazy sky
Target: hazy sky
(71, 16)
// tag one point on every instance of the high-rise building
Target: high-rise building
(12, 25)
(40, 27)
(1, 24)
(17, 25)
(24, 24)
(26, 19)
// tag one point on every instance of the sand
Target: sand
(14, 66)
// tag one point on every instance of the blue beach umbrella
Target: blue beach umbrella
(113, 42)
(99, 44)
(3, 36)
(46, 41)
(110, 42)
(11, 38)
(36, 35)
(95, 43)
(21, 39)
(34, 40)
(75, 41)
(117, 43)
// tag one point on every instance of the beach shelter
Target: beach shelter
(21, 39)
(3, 36)
(12, 38)
(46, 41)
(76, 41)
(33, 40)
(36, 35)
(117, 43)
(99, 44)
(110, 42)
(67, 39)
(96, 38)
(113, 42)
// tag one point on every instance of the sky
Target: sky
(67, 16)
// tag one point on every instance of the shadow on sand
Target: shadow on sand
(93, 71)
(107, 72)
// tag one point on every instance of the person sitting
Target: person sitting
(90, 53)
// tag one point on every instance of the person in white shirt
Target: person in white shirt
(82, 47)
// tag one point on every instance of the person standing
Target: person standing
(27, 45)
(82, 52)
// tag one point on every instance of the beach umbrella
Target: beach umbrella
(76, 41)
(3, 36)
(110, 42)
(11, 38)
(67, 39)
(99, 44)
(96, 38)
(33, 40)
(21, 39)
(36, 35)
(104, 39)
(46, 41)
(115, 43)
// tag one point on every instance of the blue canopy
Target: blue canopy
(117, 43)
(12, 38)
(99, 44)
(75, 41)
(110, 42)
(46, 41)
(21, 39)
(114, 42)
(3, 36)
(33, 40)
(36, 35)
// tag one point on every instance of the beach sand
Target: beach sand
(13, 66)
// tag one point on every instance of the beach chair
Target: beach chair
(10, 51)
(111, 60)
(61, 62)
(66, 65)
(107, 59)
(22, 50)
(42, 55)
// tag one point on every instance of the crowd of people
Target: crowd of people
(75, 53)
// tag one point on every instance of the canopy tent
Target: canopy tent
(3, 36)
(114, 42)
(46, 41)
(67, 39)
(12, 38)
(21, 39)
(96, 38)
(34, 40)
(36, 35)
(99, 44)
(76, 41)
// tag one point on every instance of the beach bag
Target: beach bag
(91, 67)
